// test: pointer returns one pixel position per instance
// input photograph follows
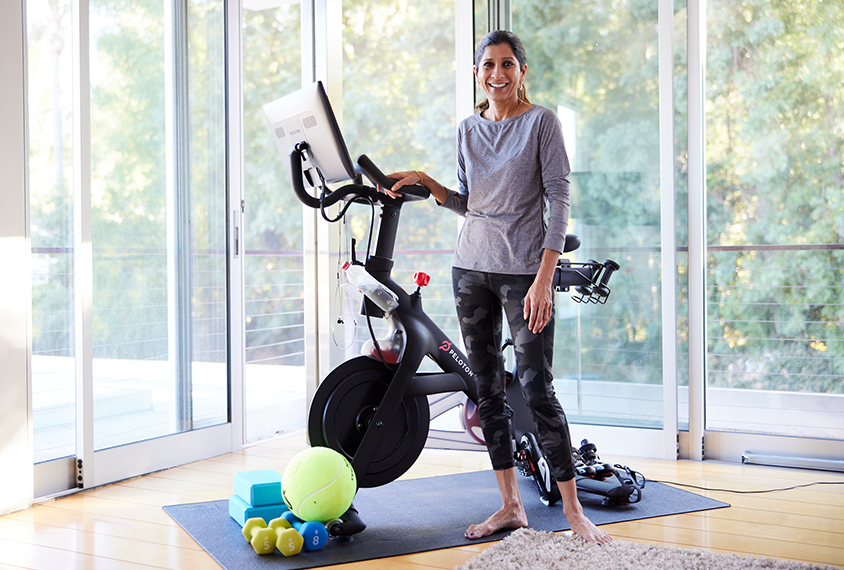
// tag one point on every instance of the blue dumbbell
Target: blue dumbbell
(313, 532)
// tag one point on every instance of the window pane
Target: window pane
(480, 17)
(275, 329)
(139, 336)
(775, 110)
(400, 110)
(596, 65)
(50, 86)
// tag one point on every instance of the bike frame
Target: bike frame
(422, 336)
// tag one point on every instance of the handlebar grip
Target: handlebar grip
(374, 173)
(601, 290)
(413, 192)
(610, 267)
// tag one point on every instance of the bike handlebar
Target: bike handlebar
(411, 192)
(351, 191)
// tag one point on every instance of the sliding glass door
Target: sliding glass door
(157, 219)
(129, 201)
(774, 110)
(427, 112)
(758, 283)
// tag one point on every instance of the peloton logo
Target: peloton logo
(446, 347)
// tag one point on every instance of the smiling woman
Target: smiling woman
(500, 68)
(513, 193)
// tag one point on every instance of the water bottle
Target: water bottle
(371, 287)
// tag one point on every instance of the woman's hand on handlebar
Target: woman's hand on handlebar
(411, 177)
(407, 178)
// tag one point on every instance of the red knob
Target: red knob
(421, 279)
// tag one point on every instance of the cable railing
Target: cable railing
(275, 307)
(130, 312)
(776, 317)
(275, 304)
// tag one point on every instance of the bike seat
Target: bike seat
(572, 243)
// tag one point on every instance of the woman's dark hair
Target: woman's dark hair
(495, 38)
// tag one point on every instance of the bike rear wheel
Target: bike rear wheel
(343, 408)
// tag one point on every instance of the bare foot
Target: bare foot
(572, 509)
(514, 517)
(584, 528)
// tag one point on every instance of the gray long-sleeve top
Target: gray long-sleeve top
(510, 173)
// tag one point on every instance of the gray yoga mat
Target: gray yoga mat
(417, 515)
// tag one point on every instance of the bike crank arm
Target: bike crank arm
(379, 425)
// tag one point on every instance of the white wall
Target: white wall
(15, 439)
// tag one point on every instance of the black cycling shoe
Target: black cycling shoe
(532, 463)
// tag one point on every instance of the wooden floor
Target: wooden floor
(123, 526)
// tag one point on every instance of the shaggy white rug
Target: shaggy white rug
(527, 549)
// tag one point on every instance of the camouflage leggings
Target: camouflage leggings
(479, 298)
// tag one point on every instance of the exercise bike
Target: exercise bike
(375, 408)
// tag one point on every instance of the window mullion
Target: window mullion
(178, 210)
(697, 236)
(668, 228)
(83, 265)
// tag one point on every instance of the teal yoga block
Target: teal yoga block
(241, 511)
(258, 488)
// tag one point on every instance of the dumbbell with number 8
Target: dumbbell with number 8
(313, 533)
(262, 537)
